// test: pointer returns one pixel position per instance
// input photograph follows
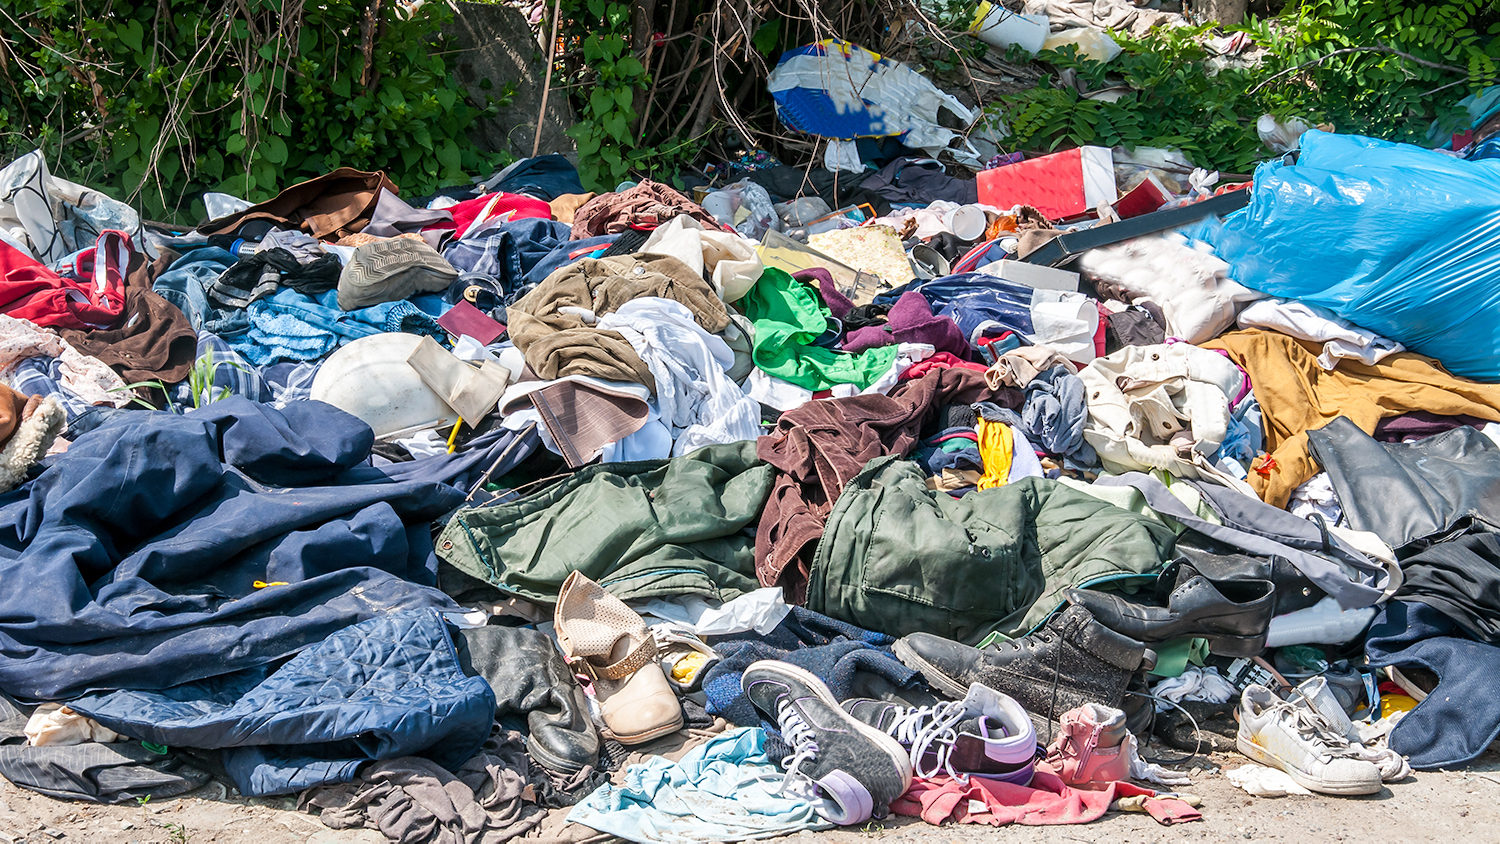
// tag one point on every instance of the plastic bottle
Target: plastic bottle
(1322, 623)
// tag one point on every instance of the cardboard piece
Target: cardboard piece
(1033, 275)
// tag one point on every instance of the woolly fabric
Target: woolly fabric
(87, 378)
(30, 441)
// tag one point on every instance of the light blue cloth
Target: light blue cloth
(292, 326)
(725, 790)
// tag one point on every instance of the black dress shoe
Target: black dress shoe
(1233, 615)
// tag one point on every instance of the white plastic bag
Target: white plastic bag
(745, 207)
(52, 218)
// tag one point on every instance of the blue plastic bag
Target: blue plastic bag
(1398, 239)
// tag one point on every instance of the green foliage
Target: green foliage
(203, 374)
(612, 146)
(157, 102)
(1178, 98)
(605, 134)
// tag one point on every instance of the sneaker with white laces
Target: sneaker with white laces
(1298, 740)
(857, 769)
(987, 734)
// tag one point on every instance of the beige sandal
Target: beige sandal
(608, 642)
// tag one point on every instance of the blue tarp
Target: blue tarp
(1398, 239)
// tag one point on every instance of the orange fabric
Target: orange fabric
(1296, 396)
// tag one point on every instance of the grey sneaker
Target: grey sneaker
(987, 734)
(857, 769)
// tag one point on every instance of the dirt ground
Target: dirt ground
(1446, 806)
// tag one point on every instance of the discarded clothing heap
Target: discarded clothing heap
(518, 508)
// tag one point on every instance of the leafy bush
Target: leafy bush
(157, 102)
(1372, 67)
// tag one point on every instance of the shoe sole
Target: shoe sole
(934, 677)
(648, 735)
(1259, 754)
(552, 762)
(891, 747)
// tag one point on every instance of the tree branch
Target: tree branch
(1387, 50)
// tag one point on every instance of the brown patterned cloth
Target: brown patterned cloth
(645, 206)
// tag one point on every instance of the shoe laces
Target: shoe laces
(935, 728)
(1314, 729)
(804, 743)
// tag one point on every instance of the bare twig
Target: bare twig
(541, 115)
(1384, 49)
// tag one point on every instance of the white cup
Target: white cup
(966, 221)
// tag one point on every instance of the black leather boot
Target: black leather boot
(1070, 661)
(530, 678)
(1233, 615)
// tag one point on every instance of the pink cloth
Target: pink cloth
(940, 360)
(467, 213)
(1045, 802)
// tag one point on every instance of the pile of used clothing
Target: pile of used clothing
(519, 510)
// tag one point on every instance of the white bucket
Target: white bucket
(1000, 27)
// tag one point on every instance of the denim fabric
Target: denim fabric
(1458, 720)
(544, 177)
(1055, 412)
(1053, 416)
(185, 283)
(566, 253)
(486, 457)
(141, 544)
(294, 326)
(388, 687)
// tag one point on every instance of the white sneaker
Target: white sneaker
(1313, 694)
(1297, 740)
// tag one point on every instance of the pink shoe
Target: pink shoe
(1092, 747)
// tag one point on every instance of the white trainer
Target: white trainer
(1301, 742)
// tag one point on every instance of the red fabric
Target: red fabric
(28, 290)
(1170, 810)
(1099, 332)
(941, 360)
(465, 213)
(1045, 802)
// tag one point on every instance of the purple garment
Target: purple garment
(1420, 424)
(911, 321)
(838, 304)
